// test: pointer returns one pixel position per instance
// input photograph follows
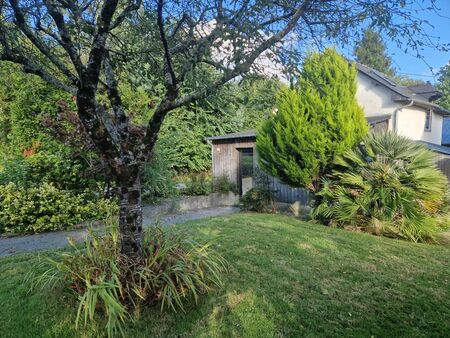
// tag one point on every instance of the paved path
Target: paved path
(53, 240)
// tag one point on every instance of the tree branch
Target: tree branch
(66, 39)
(116, 102)
(171, 79)
(132, 6)
(38, 43)
(168, 104)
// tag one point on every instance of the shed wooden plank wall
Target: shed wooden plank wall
(225, 156)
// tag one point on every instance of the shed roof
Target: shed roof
(252, 133)
(242, 134)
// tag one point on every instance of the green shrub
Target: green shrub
(56, 169)
(198, 184)
(389, 186)
(14, 171)
(223, 184)
(158, 180)
(45, 208)
(257, 199)
(173, 268)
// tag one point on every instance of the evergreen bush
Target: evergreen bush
(315, 122)
(45, 208)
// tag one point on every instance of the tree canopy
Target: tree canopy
(444, 85)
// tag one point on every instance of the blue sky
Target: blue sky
(409, 64)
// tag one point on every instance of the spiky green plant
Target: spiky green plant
(388, 185)
(173, 267)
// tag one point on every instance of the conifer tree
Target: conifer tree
(444, 85)
(315, 122)
(371, 51)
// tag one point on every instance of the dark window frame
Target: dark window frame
(428, 120)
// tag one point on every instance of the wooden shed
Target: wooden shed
(234, 156)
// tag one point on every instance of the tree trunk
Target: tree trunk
(130, 217)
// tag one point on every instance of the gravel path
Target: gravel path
(54, 240)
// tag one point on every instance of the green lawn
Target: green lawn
(287, 278)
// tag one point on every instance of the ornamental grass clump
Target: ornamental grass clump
(112, 287)
(389, 185)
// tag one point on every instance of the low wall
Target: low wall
(186, 203)
(209, 201)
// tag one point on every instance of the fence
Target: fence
(286, 194)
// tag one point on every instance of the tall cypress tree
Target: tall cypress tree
(315, 122)
(371, 51)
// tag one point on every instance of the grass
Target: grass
(287, 278)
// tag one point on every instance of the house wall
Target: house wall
(411, 123)
(374, 98)
(377, 100)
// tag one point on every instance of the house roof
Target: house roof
(427, 90)
(420, 94)
(242, 134)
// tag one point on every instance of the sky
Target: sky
(410, 65)
(417, 68)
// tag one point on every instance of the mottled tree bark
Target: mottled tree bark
(130, 217)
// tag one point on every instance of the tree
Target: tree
(83, 47)
(315, 122)
(444, 85)
(371, 51)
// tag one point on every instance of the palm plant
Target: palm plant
(387, 185)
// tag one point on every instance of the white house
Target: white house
(409, 111)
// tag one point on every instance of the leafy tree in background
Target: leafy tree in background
(371, 51)
(237, 106)
(315, 122)
(444, 85)
(42, 139)
(256, 97)
(82, 47)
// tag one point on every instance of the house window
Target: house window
(428, 120)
